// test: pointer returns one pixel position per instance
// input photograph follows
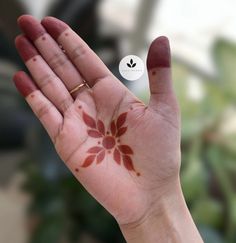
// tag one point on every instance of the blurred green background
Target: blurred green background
(40, 201)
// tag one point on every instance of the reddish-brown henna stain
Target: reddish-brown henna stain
(31, 27)
(110, 139)
(34, 59)
(159, 53)
(25, 48)
(43, 38)
(153, 72)
(54, 26)
(24, 84)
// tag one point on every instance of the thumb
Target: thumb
(159, 72)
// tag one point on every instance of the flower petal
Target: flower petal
(95, 150)
(101, 127)
(88, 161)
(125, 149)
(89, 121)
(113, 128)
(121, 131)
(94, 133)
(128, 163)
(116, 156)
(121, 120)
(100, 156)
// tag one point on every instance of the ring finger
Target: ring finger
(51, 52)
(52, 87)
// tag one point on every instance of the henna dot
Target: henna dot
(131, 108)
(32, 95)
(138, 174)
(153, 72)
(44, 38)
(66, 34)
(108, 132)
(109, 151)
(76, 170)
(99, 142)
(118, 140)
(34, 59)
(80, 107)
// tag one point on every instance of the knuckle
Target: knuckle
(43, 109)
(66, 103)
(46, 80)
(58, 60)
(79, 52)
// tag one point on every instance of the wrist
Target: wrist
(168, 220)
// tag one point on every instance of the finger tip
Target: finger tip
(31, 26)
(25, 47)
(159, 53)
(54, 26)
(23, 83)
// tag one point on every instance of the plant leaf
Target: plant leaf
(101, 127)
(125, 149)
(121, 120)
(131, 61)
(134, 65)
(113, 128)
(128, 65)
(88, 161)
(128, 163)
(94, 133)
(89, 121)
(101, 156)
(116, 156)
(121, 131)
(95, 150)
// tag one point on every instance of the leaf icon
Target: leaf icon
(128, 65)
(131, 61)
(134, 65)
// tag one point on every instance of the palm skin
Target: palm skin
(129, 184)
(152, 137)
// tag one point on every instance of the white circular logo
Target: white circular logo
(131, 67)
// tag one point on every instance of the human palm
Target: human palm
(126, 154)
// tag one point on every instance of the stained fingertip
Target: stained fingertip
(24, 84)
(54, 26)
(25, 48)
(159, 53)
(31, 27)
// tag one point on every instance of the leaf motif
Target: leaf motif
(121, 120)
(101, 127)
(94, 133)
(125, 149)
(128, 163)
(95, 150)
(131, 61)
(116, 156)
(121, 131)
(128, 65)
(134, 65)
(89, 121)
(101, 156)
(113, 128)
(88, 161)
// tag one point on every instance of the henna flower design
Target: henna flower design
(109, 142)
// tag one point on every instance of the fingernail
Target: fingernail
(159, 53)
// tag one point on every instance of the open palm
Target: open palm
(125, 153)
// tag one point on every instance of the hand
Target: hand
(126, 154)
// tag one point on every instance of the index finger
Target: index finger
(88, 63)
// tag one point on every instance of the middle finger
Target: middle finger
(51, 52)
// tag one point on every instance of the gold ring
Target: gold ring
(78, 87)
